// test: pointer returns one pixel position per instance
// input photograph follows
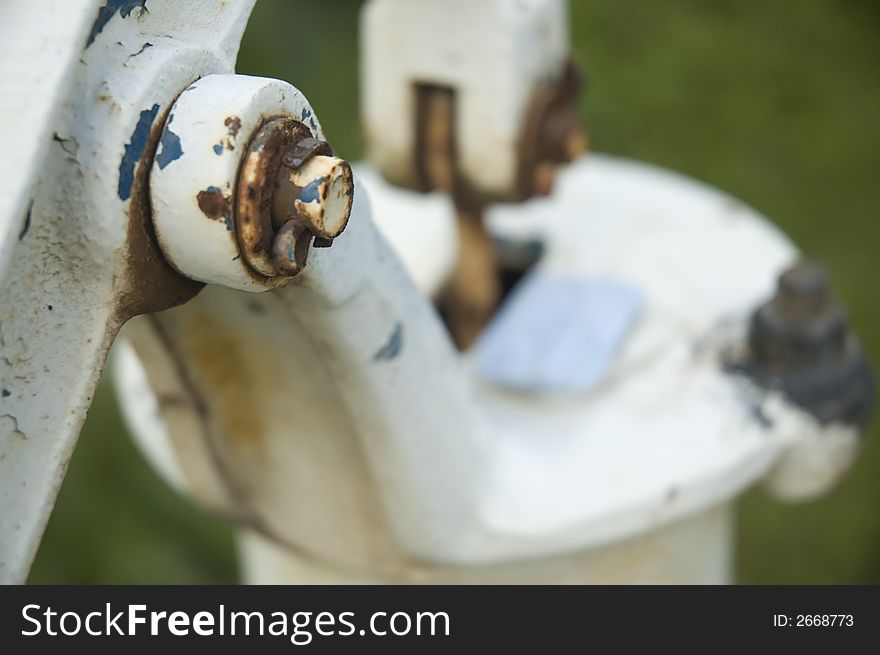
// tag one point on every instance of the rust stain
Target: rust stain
(258, 174)
(213, 203)
(233, 124)
(231, 380)
(151, 285)
(552, 134)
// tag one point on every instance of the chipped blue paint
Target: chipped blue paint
(105, 13)
(307, 115)
(6, 393)
(169, 146)
(218, 148)
(311, 192)
(134, 149)
(394, 346)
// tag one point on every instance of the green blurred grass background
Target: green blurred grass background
(775, 102)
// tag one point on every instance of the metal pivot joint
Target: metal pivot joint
(250, 184)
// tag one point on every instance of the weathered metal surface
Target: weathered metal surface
(88, 260)
(281, 390)
(41, 43)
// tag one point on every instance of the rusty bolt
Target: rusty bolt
(291, 190)
(802, 326)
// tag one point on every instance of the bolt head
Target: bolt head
(803, 325)
(803, 288)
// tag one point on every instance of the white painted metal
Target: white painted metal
(202, 247)
(395, 458)
(41, 43)
(70, 281)
(347, 336)
(696, 550)
(420, 227)
(493, 53)
(813, 465)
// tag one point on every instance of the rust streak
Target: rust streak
(230, 379)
